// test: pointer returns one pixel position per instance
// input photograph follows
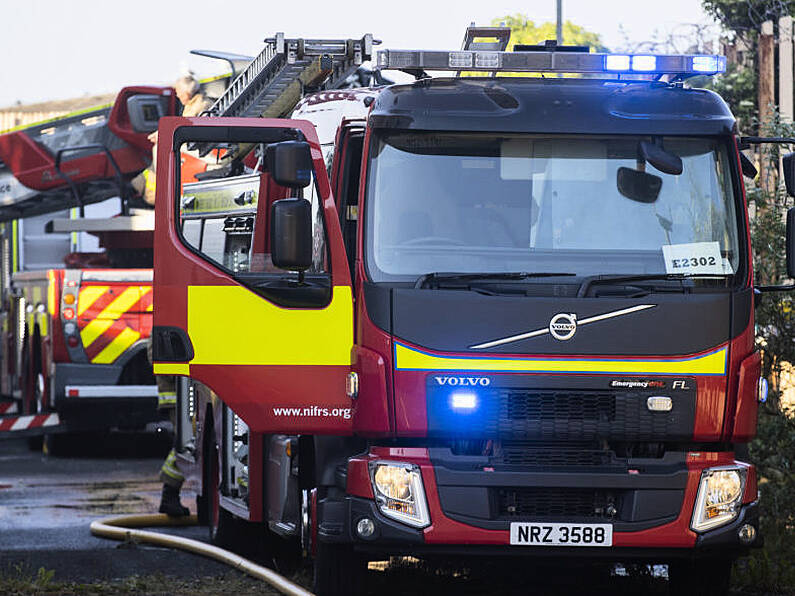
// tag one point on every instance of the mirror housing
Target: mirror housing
(788, 165)
(290, 163)
(747, 166)
(145, 111)
(663, 160)
(291, 234)
(638, 186)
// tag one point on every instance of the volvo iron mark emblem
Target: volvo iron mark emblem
(563, 326)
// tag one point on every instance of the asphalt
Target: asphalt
(47, 503)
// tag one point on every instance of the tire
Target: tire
(702, 578)
(339, 571)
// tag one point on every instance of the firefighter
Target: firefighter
(170, 474)
(193, 104)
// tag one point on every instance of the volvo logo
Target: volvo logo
(563, 326)
(464, 381)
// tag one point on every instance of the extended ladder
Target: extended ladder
(275, 81)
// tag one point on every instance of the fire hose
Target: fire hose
(122, 528)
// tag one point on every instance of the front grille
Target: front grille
(542, 405)
(534, 455)
(528, 503)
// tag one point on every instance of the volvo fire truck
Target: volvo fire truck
(516, 321)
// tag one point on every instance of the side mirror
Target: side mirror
(666, 162)
(638, 186)
(291, 234)
(145, 111)
(290, 163)
(748, 167)
(790, 238)
(788, 163)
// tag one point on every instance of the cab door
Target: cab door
(273, 344)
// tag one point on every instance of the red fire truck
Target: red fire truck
(516, 322)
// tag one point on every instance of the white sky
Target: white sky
(54, 49)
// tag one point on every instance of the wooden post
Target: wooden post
(785, 68)
(766, 99)
(766, 73)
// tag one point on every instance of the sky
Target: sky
(54, 49)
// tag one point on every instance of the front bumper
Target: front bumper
(450, 534)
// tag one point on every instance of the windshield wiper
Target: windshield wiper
(595, 280)
(464, 277)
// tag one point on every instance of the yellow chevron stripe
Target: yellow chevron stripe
(107, 317)
(712, 363)
(89, 296)
(115, 348)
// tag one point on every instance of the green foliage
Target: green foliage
(738, 88)
(773, 451)
(525, 31)
(744, 17)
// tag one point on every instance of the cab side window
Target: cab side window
(227, 221)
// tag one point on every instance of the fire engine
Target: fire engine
(76, 285)
(516, 321)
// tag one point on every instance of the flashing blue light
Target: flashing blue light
(616, 62)
(644, 63)
(463, 400)
(709, 64)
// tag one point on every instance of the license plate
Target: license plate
(540, 534)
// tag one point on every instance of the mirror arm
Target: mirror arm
(782, 288)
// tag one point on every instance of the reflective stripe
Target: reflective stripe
(88, 296)
(51, 292)
(711, 363)
(309, 336)
(171, 368)
(166, 398)
(169, 467)
(111, 313)
(115, 348)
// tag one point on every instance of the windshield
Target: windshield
(472, 203)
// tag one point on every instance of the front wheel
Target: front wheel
(339, 571)
(699, 578)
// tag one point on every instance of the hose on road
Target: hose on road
(122, 528)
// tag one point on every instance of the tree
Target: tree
(743, 17)
(525, 31)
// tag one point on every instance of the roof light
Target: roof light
(644, 63)
(616, 62)
(460, 59)
(487, 59)
(709, 64)
(542, 61)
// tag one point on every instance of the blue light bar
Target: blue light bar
(678, 65)
(463, 400)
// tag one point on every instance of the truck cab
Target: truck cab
(521, 325)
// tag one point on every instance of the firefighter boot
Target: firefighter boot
(169, 502)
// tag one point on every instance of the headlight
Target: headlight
(400, 494)
(720, 494)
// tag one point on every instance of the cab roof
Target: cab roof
(559, 105)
